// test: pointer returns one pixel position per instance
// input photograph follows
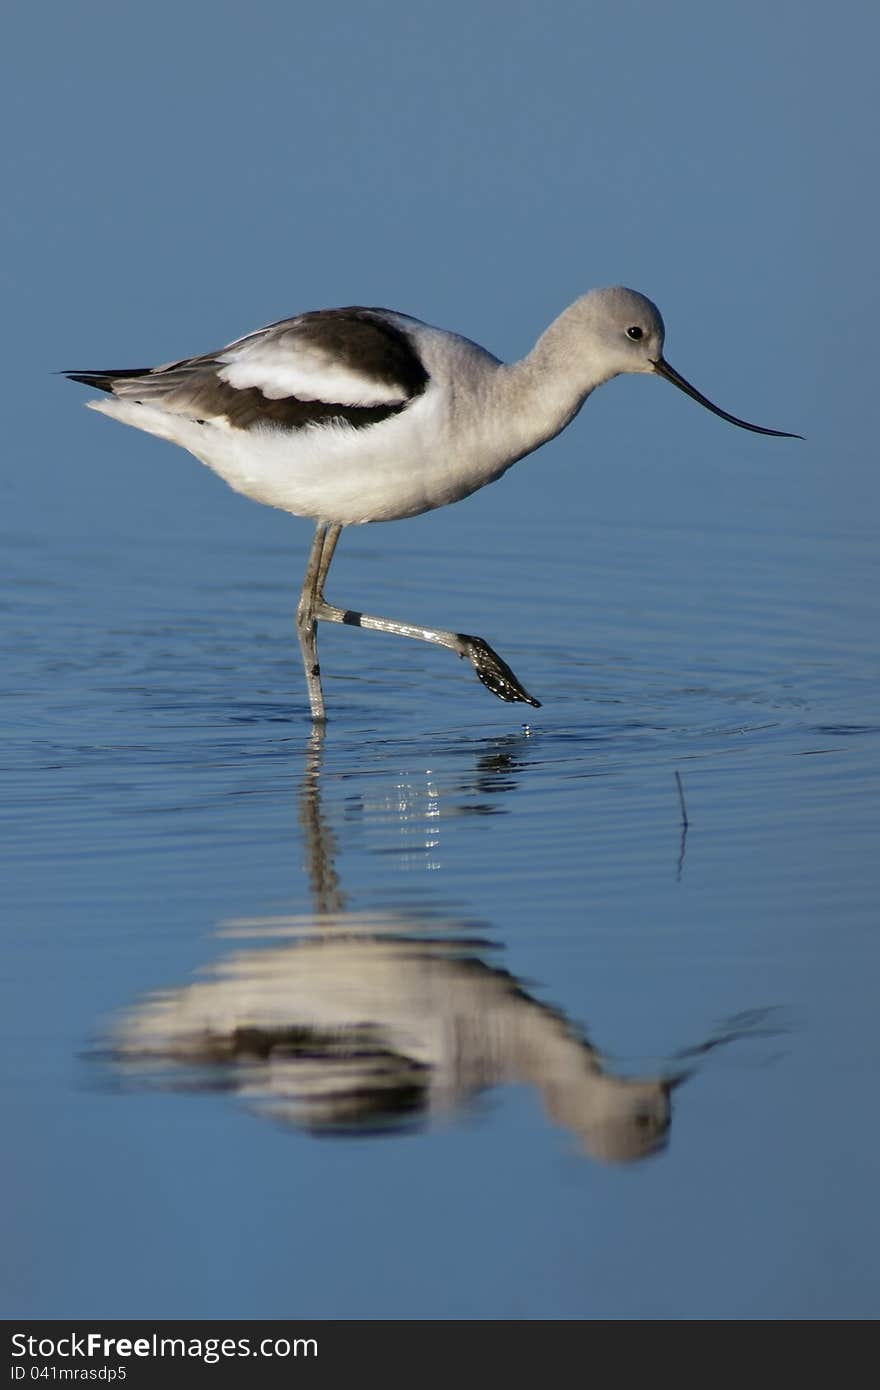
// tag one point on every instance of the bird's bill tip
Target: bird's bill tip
(662, 368)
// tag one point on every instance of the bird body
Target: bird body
(421, 449)
(459, 421)
(355, 415)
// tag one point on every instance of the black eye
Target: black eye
(634, 333)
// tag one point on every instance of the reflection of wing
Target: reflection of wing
(337, 365)
(367, 1032)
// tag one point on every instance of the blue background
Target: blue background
(682, 595)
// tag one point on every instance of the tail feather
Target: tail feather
(105, 381)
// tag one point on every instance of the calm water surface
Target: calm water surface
(447, 1014)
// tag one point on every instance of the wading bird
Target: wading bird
(355, 415)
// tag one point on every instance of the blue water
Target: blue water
(445, 1016)
(342, 1027)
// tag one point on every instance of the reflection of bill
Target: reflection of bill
(368, 1026)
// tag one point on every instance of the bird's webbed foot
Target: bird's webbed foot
(495, 674)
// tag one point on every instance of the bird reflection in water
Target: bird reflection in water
(361, 1026)
(347, 1022)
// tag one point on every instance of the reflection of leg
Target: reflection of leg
(328, 898)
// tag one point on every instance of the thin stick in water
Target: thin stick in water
(684, 815)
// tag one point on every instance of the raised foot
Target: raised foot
(495, 674)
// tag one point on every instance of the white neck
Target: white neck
(540, 394)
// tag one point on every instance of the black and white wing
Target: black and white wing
(353, 366)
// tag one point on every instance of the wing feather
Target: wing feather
(350, 364)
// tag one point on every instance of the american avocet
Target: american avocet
(355, 415)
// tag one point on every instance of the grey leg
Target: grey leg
(307, 623)
(495, 674)
(313, 608)
(331, 536)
